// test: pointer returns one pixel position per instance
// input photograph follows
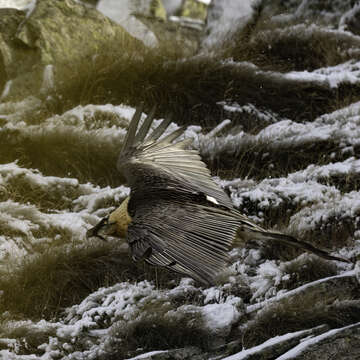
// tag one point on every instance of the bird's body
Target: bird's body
(176, 216)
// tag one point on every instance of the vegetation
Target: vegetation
(61, 268)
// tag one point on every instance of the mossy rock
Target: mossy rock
(29, 42)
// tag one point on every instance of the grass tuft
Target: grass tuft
(43, 285)
(63, 154)
(154, 332)
(302, 312)
(289, 45)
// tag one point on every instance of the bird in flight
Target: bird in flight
(176, 216)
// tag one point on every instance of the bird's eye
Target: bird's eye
(105, 221)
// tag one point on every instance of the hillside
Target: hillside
(271, 99)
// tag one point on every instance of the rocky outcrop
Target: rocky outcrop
(47, 45)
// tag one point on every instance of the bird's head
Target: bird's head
(115, 224)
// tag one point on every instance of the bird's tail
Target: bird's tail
(249, 231)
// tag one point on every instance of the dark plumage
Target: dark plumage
(176, 216)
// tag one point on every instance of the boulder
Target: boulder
(46, 46)
(123, 13)
(195, 9)
(148, 22)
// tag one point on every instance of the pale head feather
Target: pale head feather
(121, 217)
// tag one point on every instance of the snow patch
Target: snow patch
(305, 344)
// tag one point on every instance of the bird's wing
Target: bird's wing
(151, 164)
(188, 238)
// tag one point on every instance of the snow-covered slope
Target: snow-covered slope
(63, 296)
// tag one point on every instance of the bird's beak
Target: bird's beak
(93, 232)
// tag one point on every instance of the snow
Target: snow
(314, 200)
(266, 116)
(348, 16)
(305, 344)
(268, 275)
(249, 353)
(341, 127)
(219, 317)
(48, 80)
(147, 355)
(328, 13)
(97, 319)
(357, 270)
(348, 72)
(6, 90)
(311, 197)
(33, 177)
(298, 290)
(87, 200)
(226, 16)
(171, 6)
(121, 13)
(17, 4)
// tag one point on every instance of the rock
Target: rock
(173, 36)
(16, 4)
(173, 7)
(223, 17)
(350, 21)
(147, 21)
(195, 9)
(30, 41)
(150, 8)
(123, 13)
(90, 2)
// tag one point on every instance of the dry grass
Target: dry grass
(30, 338)
(63, 155)
(189, 89)
(303, 312)
(154, 331)
(306, 270)
(42, 285)
(264, 160)
(44, 198)
(288, 45)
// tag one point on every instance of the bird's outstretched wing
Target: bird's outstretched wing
(152, 165)
(180, 217)
(188, 238)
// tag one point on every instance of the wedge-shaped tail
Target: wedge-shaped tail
(249, 231)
